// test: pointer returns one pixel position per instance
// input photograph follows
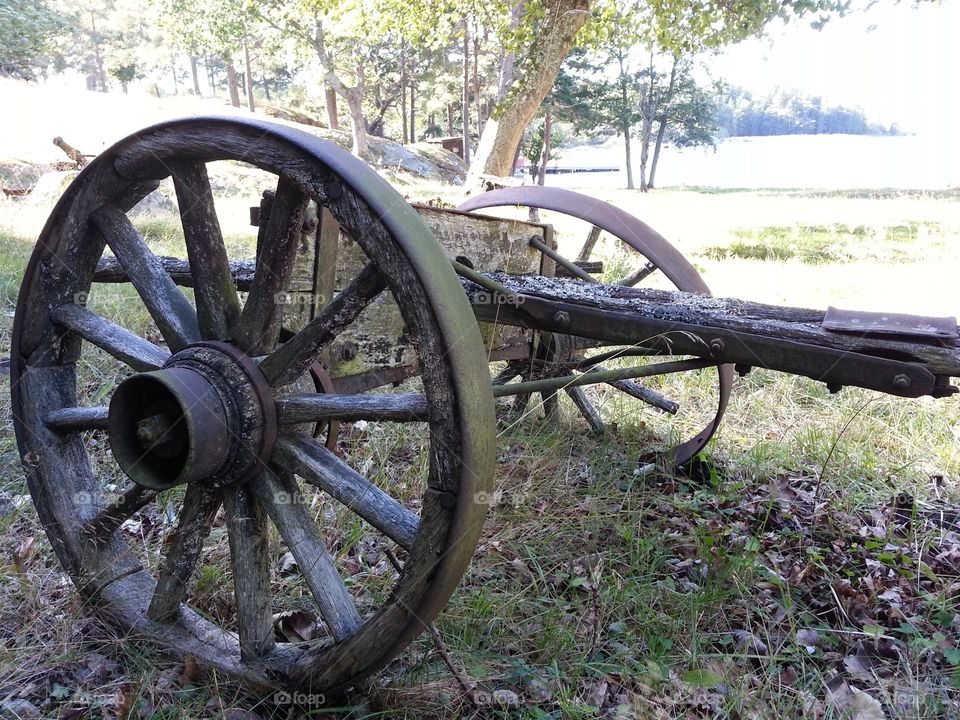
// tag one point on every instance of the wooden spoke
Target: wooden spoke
(119, 511)
(216, 295)
(131, 349)
(408, 407)
(280, 498)
(293, 358)
(250, 556)
(648, 268)
(320, 467)
(77, 419)
(586, 409)
(170, 309)
(589, 244)
(277, 250)
(196, 517)
(651, 397)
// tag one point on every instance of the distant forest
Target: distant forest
(739, 113)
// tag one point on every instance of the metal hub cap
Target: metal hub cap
(207, 416)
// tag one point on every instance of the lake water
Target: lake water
(789, 161)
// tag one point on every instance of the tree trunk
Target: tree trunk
(211, 76)
(476, 82)
(248, 76)
(508, 58)
(123, 86)
(358, 123)
(403, 92)
(465, 100)
(232, 85)
(534, 78)
(195, 75)
(547, 133)
(628, 155)
(662, 129)
(449, 119)
(266, 89)
(331, 98)
(413, 108)
(176, 83)
(647, 126)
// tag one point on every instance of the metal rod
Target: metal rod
(483, 281)
(593, 378)
(573, 269)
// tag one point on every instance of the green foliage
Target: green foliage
(785, 113)
(27, 29)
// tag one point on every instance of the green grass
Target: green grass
(739, 589)
(822, 245)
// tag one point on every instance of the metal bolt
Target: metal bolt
(901, 382)
(561, 317)
(716, 347)
(152, 429)
(348, 351)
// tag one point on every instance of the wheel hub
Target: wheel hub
(207, 416)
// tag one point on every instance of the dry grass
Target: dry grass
(779, 578)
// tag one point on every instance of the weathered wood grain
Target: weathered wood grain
(75, 419)
(247, 530)
(175, 317)
(293, 358)
(196, 516)
(117, 512)
(320, 467)
(109, 270)
(317, 407)
(278, 244)
(133, 350)
(217, 305)
(280, 497)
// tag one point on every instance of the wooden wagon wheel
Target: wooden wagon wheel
(205, 407)
(653, 254)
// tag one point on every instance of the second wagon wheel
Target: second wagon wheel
(211, 411)
(642, 253)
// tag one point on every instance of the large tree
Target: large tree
(552, 29)
(27, 28)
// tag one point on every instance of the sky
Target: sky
(899, 63)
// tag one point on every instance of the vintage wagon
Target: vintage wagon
(353, 311)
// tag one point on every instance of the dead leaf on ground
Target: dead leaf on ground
(295, 625)
(191, 670)
(24, 553)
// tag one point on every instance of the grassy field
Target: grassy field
(808, 566)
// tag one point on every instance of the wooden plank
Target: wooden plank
(281, 499)
(247, 530)
(217, 305)
(317, 407)
(320, 467)
(139, 354)
(175, 317)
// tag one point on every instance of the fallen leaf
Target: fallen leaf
(191, 670)
(288, 563)
(809, 639)
(295, 625)
(24, 553)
